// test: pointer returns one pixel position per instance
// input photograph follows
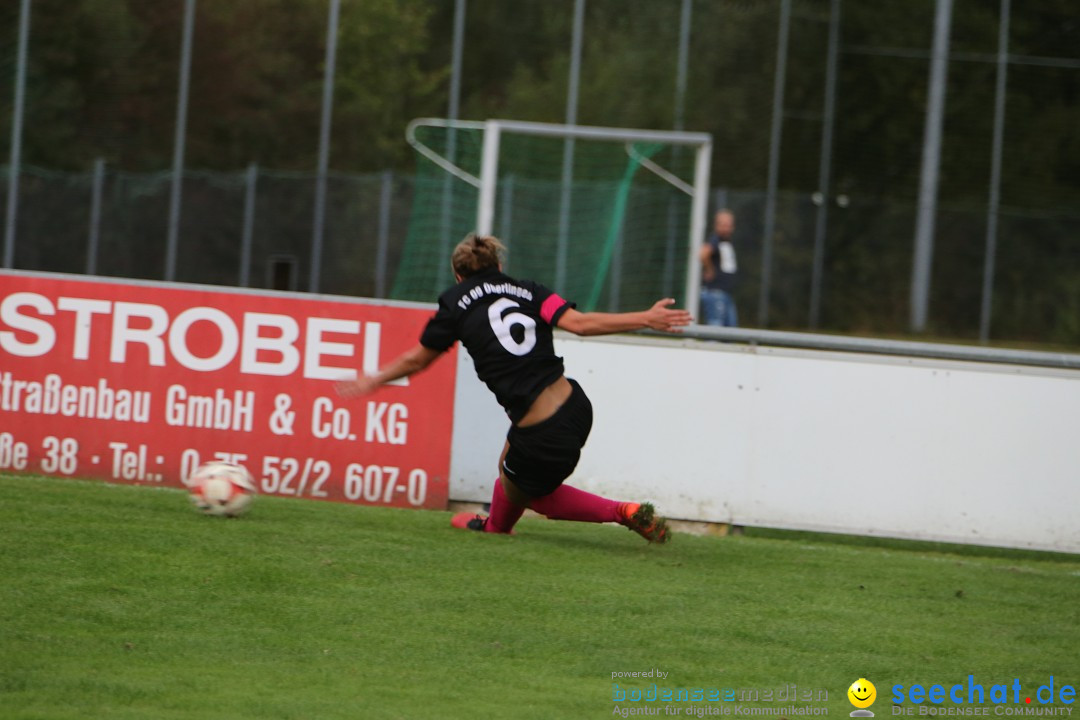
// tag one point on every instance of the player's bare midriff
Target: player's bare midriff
(547, 402)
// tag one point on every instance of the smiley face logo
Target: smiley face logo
(862, 693)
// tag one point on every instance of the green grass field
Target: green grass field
(123, 602)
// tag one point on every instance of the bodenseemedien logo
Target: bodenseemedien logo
(862, 695)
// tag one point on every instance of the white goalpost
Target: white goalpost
(593, 223)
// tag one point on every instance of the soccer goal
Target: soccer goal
(607, 217)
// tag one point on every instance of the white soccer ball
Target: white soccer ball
(221, 489)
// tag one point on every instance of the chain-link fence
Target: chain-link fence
(250, 229)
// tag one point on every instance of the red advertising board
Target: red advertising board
(142, 382)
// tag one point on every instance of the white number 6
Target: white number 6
(501, 326)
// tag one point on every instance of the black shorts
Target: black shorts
(541, 456)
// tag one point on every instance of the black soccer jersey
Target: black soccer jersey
(506, 326)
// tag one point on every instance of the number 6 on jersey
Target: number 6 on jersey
(501, 325)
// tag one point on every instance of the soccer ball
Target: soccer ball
(221, 489)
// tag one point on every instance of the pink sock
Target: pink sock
(504, 514)
(568, 503)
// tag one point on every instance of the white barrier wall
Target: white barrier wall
(801, 439)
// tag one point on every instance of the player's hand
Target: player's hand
(363, 385)
(662, 317)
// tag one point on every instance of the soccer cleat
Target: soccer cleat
(468, 521)
(641, 518)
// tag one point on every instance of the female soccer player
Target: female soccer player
(506, 325)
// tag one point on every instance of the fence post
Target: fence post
(446, 241)
(931, 166)
(16, 135)
(97, 189)
(562, 248)
(381, 249)
(825, 167)
(173, 238)
(324, 147)
(995, 174)
(248, 232)
(779, 79)
(682, 60)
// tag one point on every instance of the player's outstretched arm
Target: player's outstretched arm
(408, 363)
(661, 316)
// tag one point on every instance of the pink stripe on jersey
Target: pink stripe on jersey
(550, 307)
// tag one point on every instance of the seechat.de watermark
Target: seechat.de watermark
(974, 698)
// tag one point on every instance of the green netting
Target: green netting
(443, 212)
(624, 241)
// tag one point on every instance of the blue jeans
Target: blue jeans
(718, 308)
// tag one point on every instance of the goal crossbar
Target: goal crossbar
(671, 137)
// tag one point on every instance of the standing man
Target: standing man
(718, 268)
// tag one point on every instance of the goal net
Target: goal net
(607, 217)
